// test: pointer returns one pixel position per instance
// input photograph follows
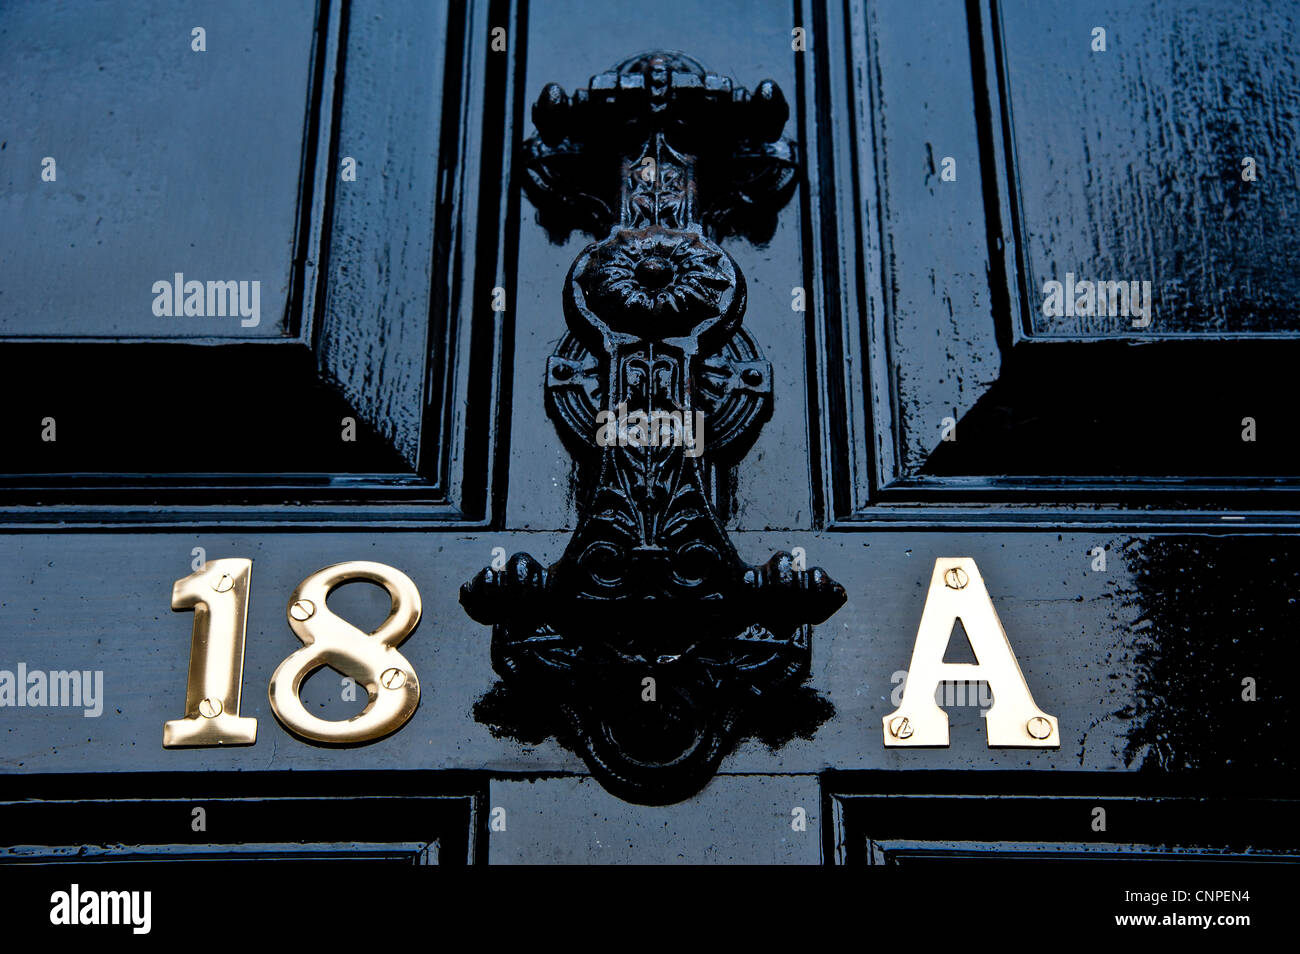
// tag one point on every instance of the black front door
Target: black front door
(669, 372)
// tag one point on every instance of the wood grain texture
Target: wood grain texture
(1053, 421)
(1129, 161)
(939, 324)
(374, 329)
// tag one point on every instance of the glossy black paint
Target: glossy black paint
(257, 817)
(970, 818)
(1067, 417)
(921, 304)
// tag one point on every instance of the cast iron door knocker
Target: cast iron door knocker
(650, 634)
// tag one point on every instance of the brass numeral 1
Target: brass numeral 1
(218, 594)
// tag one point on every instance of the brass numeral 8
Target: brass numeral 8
(371, 659)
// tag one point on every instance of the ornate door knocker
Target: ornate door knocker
(650, 634)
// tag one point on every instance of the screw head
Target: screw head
(392, 679)
(223, 583)
(210, 707)
(302, 609)
(955, 578)
(901, 728)
(1038, 727)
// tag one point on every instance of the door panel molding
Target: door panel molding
(390, 307)
(414, 818)
(891, 818)
(1101, 430)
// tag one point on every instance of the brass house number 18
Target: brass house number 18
(218, 595)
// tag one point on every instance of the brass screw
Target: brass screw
(901, 728)
(210, 707)
(224, 583)
(302, 609)
(393, 679)
(1038, 727)
(956, 578)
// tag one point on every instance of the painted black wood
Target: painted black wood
(1066, 416)
(165, 160)
(377, 318)
(970, 817)
(921, 298)
(250, 817)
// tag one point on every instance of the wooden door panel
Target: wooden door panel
(1132, 165)
(166, 160)
(256, 817)
(875, 823)
(362, 399)
(972, 397)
